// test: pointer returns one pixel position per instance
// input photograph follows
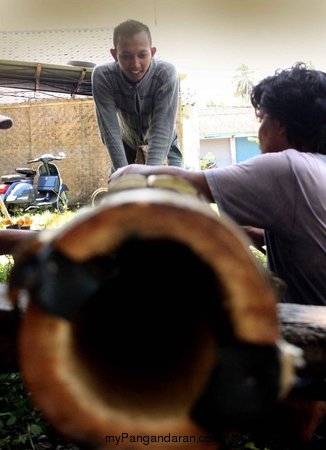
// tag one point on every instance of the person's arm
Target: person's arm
(163, 120)
(257, 236)
(197, 179)
(107, 119)
(10, 240)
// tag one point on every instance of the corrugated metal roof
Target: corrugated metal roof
(227, 121)
(34, 64)
(39, 77)
(57, 46)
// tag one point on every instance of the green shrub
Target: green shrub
(6, 263)
(20, 423)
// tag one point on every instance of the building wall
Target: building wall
(67, 125)
(245, 148)
(220, 148)
(50, 127)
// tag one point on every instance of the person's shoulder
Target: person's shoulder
(104, 68)
(165, 67)
(306, 161)
(285, 161)
(295, 157)
(161, 63)
(277, 162)
(278, 157)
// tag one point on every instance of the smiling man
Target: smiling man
(136, 100)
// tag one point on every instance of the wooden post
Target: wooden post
(4, 210)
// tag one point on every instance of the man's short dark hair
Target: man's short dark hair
(128, 29)
(297, 98)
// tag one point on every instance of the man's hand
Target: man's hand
(197, 179)
(127, 170)
(141, 169)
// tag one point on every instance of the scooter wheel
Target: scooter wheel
(62, 202)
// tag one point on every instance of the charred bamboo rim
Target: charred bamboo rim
(75, 397)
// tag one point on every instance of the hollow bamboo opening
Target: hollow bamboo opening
(144, 330)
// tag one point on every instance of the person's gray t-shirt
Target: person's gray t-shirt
(285, 194)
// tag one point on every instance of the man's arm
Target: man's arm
(163, 121)
(197, 179)
(107, 117)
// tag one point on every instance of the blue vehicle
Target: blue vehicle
(18, 191)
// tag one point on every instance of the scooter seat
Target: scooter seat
(26, 171)
(5, 122)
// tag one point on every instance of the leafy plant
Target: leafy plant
(6, 263)
(208, 161)
(239, 441)
(259, 255)
(20, 423)
(211, 103)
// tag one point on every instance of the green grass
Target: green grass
(48, 219)
(20, 423)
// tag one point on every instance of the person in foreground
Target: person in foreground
(136, 100)
(283, 190)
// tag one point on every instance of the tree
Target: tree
(243, 82)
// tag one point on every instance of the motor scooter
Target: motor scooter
(19, 192)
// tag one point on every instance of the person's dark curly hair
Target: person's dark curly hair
(297, 98)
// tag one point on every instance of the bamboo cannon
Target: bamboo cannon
(148, 315)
